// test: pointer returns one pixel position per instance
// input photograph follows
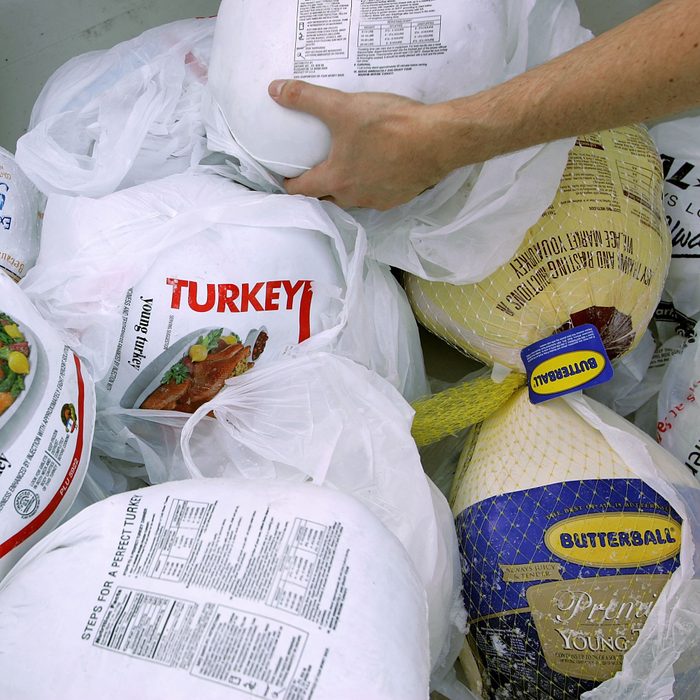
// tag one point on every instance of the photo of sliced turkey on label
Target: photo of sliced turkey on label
(197, 589)
(200, 374)
(175, 286)
(47, 414)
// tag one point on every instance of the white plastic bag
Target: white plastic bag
(47, 414)
(448, 232)
(678, 142)
(663, 663)
(212, 588)
(106, 477)
(21, 205)
(634, 389)
(140, 277)
(631, 385)
(678, 426)
(111, 119)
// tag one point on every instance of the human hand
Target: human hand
(384, 149)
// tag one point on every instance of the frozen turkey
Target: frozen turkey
(599, 254)
(211, 588)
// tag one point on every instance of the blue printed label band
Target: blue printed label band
(558, 580)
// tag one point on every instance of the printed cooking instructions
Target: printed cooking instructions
(239, 598)
(389, 37)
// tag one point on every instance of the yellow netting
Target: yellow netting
(598, 254)
(452, 410)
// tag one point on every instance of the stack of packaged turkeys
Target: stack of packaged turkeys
(208, 380)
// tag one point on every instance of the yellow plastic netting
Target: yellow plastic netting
(454, 409)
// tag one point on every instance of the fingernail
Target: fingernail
(275, 88)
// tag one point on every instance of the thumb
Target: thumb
(319, 101)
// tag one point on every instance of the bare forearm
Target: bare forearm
(387, 149)
(645, 68)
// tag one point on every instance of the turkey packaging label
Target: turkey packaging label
(212, 308)
(203, 587)
(414, 49)
(20, 204)
(677, 142)
(565, 549)
(46, 422)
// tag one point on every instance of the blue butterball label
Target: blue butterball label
(566, 362)
(560, 579)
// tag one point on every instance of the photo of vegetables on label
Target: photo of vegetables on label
(14, 362)
(203, 370)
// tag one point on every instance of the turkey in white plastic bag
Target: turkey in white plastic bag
(429, 51)
(212, 588)
(47, 414)
(171, 287)
(321, 417)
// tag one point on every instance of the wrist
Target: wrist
(467, 131)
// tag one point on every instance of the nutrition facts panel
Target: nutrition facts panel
(405, 31)
(255, 654)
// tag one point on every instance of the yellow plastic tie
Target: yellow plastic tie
(452, 410)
